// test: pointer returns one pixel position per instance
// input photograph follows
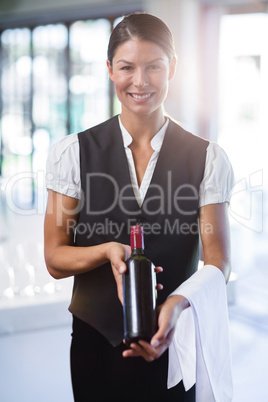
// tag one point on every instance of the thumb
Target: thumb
(163, 329)
(120, 266)
(158, 338)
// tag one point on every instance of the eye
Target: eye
(154, 67)
(126, 68)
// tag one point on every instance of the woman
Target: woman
(141, 167)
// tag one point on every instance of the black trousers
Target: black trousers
(100, 373)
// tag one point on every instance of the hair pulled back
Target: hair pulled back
(143, 26)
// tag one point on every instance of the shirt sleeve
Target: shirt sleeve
(218, 180)
(63, 167)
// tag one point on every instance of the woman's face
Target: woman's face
(141, 71)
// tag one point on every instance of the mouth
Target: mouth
(141, 96)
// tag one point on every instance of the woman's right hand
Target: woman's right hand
(117, 254)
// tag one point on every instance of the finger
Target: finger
(148, 348)
(159, 286)
(119, 267)
(158, 269)
(127, 251)
(130, 353)
(119, 284)
(120, 290)
(120, 296)
(144, 350)
(159, 338)
(161, 344)
(137, 352)
(150, 352)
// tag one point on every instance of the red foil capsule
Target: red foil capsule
(136, 237)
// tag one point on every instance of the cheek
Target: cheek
(160, 81)
(121, 81)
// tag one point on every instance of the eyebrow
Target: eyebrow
(129, 62)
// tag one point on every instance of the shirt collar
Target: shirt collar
(156, 141)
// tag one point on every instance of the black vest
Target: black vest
(169, 215)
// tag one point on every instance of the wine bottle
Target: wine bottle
(139, 292)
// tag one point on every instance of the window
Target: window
(243, 127)
(54, 82)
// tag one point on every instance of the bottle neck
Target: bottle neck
(137, 251)
(136, 240)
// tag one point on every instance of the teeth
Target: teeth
(141, 96)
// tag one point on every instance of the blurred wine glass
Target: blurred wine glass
(21, 274)
(3, 212)
(23, 271)
(6, 275)
(44, 283)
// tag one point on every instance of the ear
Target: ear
(172, 68)
(110, 70)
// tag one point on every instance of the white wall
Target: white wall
(183, 18)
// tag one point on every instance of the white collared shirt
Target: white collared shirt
(156, 144)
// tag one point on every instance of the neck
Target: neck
(142, 127)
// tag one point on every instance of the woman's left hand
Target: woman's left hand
(169, 313)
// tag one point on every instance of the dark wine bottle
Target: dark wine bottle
(139, 292)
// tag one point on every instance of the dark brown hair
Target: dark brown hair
(143, 26)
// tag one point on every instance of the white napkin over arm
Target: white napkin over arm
(200, 350)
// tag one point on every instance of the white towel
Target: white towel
(200, 351)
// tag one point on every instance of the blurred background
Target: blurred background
(53, 81)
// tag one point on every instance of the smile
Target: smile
(145, 96)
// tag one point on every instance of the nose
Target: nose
(140, 78)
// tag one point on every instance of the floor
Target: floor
(250, 361)
(249, 342)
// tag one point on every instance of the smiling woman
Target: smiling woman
(159, 176)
